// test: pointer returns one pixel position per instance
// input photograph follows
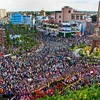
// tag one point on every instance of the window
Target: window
(60, 21)
(77, 17)
(69, 11)
(59, 16)
(66, 25)
(73, 16)
(81, 17)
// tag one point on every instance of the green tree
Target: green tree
(94, 18)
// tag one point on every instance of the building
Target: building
(27, 20)
(66, 14)
(21, 19)
(16, 19)
(58, 16)
(42, 13)
(4, 20)
(2, 13)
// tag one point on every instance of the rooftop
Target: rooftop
(67, 7)
(78, 13)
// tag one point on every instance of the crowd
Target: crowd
(53, 62)
(90, 28)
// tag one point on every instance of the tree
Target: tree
(94, 18)
(8, 39)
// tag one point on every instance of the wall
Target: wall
(2, 13)
(66, 14)
(16, 19)
(27, 20)
(57, 18)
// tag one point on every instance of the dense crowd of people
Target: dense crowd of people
(28, 73)
(90, 28)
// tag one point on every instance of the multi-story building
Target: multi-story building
(20, 19)
(2, 13)
(42, 13)
(27, 20)
(4, 20)
(66, 14)
(16, 18)
(58, 16)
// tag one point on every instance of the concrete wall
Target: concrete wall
(66, 14)
(2, 13)
(16, 19)
(58, 19)
(27, 20)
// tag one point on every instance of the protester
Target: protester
(25, 74)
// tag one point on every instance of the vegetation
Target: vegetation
(85, 51)
(94, 18)
(74, 47)
(24, 43)
(85, 93)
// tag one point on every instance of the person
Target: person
(26, 73)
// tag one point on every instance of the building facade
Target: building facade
(58, 16)
(27, 20)
(2, 13)
(4, 20)
(42, 13)
(20, 19)
(68, 14)
(16, 19)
